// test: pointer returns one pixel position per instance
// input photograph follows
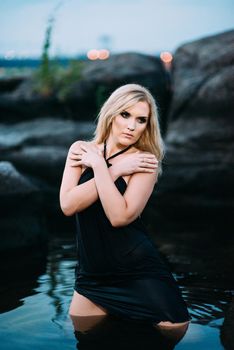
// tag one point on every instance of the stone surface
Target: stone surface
(202, 79)
(54, 131)
(22, 223)
(198, 180)
(227, 327)
(85, 97)
(38, 150)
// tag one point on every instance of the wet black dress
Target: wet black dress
(119, 268)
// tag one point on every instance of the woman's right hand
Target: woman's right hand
(137, 162)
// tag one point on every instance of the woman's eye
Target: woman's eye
(142, 120)
(124, 114)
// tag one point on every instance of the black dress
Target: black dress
(120, 269)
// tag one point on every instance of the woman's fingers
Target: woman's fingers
(145, 170)
(83, 147)
(76, 164)
(75, 156)
(145, 165)
(149, 162)
(145, 156)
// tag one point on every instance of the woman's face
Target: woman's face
(129, 125)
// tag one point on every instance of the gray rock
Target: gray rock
(43, 131)
(38, 150)
(203, 85)
(10, 83)
(22, 223)
(227, 327)
(84, 97)
(100, 78)
(198, 182)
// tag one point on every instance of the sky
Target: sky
(145, 26)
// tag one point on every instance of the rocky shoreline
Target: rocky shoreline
(196, 105)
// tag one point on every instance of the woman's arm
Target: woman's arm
(73, 197)
(120, 210)
(123, 209)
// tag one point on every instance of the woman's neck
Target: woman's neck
(113, 147)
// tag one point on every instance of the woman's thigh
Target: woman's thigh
(82, 306)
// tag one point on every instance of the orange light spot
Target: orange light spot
(166, 57)
(104, 54)
(93, 54)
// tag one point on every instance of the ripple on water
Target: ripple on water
(51, 297)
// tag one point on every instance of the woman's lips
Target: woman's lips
(128, 135)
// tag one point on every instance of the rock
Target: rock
(202, 79)
(22, 223)
(227, 328)
(100, 78)
(197, 186)
(43, 131)
(38, 149)
(84, 97)
(10, 84)
(17, 106)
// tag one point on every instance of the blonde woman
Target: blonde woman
(107, 183)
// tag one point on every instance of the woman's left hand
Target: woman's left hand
(89, 155)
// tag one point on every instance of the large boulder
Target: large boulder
(202, 80)
(102, 77)
(53, 131)
(85, 96)
(227, 327)
(38, 150)
(198, 181)
(22, 223)
(39, 147)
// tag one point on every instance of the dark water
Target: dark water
(36, 291)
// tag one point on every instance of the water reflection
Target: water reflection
(19, 276)
(110, 332)
(42, 320)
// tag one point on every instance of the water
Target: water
(34, 306)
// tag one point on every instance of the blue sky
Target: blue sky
(147, 26)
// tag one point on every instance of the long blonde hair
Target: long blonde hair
(122, 98)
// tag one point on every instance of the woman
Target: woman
(119, 270)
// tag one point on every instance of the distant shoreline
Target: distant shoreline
(34, 62)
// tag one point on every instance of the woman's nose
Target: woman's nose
(131, 126)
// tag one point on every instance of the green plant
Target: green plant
(51, 78)
(69, 76)
(44, 77)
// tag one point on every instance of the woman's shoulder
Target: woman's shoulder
(78, 143)
(133, 149)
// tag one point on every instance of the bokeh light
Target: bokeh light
(166, 57)
(94, 54)
(104, 54)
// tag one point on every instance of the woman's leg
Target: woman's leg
(82, 306)
(84, 313)
(173, 330)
